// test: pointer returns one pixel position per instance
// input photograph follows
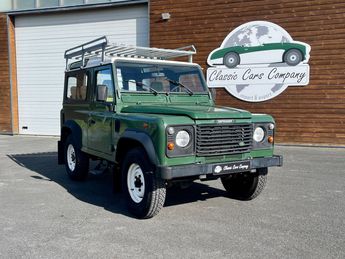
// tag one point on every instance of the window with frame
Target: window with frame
(72, 2)
(166, 78)
(24, 4)
(104, 78)
(48, 3)
(77, 85)
(5, 5)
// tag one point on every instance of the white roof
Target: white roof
(96, 61)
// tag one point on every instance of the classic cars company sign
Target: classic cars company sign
(258, 61)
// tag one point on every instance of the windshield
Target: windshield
(159, 78)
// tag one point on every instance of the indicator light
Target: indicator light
(171, 146)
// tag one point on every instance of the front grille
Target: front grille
(213, 140)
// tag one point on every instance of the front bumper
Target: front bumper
(218, 169)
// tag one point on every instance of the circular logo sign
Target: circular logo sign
(257, 61)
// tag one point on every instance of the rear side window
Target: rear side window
(77, 85)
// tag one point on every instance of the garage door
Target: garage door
(40, 43)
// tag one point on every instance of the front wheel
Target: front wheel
(293, 57)
(245, 186)
(145, 191)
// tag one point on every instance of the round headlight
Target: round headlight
(182, 138)
(259, 134)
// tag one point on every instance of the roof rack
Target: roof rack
(101, 48)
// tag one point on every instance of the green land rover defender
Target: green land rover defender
(153, 122)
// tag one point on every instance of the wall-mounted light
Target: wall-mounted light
(166, 16)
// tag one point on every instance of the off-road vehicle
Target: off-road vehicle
(154, 123)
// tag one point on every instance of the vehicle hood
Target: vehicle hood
(194, 112)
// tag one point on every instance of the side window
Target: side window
(77, 85)
(104, 82)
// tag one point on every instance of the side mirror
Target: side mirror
(102, 93)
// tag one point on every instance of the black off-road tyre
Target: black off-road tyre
(77, 165)
(147, 196)
(245, 186)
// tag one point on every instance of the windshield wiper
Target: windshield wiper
(155, 92)
(190, 92)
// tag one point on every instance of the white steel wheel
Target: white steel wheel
(76, 162)
(136, 183)
(144, 190)
(71, 157)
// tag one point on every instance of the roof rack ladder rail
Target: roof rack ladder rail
(103, 51)
(80, 51)
(123, 50)
(193, 51)
(100, 46)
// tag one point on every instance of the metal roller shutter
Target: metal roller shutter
(41, 40)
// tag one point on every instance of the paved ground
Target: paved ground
(301, 213)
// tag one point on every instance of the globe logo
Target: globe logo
(256, 34)
(257, 61)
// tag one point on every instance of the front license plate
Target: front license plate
(229, 168)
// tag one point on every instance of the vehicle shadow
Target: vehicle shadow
(198, 191)
(98, 189)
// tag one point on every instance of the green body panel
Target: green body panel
(150, 114)
(77, 113)
(270, 46)
(159, 99)
(194, 112)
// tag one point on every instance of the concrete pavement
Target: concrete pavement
(43, 214)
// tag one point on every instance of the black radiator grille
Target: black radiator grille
(213, 140)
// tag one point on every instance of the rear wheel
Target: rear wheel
(231, 59)
(245, 186)
(145, 191)
(76, 162)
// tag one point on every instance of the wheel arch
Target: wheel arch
(71, 127)
(131, 139)
(68, 128)
(294, 48)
